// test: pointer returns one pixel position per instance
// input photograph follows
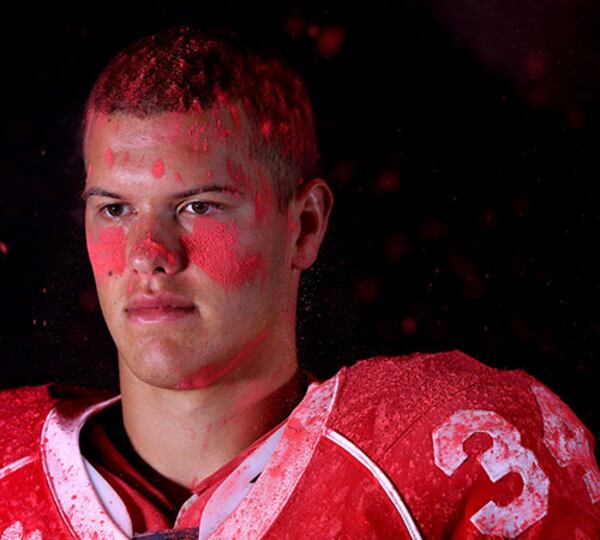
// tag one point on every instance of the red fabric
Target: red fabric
(428, 421)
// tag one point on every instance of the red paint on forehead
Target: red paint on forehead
(158, 169)
(215, 248)
(210, 374)
(107, 253)
(178, 177)
(235, 116)
(109, 157)
(240, 178)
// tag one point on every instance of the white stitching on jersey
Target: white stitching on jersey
(381, 478)
(15, 466)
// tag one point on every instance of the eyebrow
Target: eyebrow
(214, 188)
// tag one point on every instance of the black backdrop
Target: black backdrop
(460, 139)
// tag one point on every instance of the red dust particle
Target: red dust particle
(396, 247)
(313, 30)
(3, 248)
(367, 290)
(535, 64)
(343, 171)
(330, 40)
(388, 181)
(158, 170)
(409, 326)
(295, 25)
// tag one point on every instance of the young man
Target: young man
(202, 210)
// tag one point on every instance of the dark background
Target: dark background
(460, 138)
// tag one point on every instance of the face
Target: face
(191, 256)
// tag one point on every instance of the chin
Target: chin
(159, 362)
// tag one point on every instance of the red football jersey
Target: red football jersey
(420, 446)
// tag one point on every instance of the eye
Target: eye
(114, 210)
(201, 208)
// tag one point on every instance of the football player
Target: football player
(203, 207)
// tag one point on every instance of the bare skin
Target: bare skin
(214, 366)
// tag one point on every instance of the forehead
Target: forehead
(199, 133)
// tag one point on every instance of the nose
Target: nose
(157, 250)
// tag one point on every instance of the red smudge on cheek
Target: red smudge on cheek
(109, 157)
(158, 169)
(107, 253)
(214, 247)
(209, 374)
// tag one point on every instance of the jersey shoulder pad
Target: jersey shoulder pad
(23, 412)
(473, 450)
(386, 394)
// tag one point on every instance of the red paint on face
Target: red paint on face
(152, 250)
(109, 156)
(158, 169)
(236, 172)
(210, 374)
(107, 254)
(235, 116)
(178, 177)
(263, 198)
(266, 128)
(125, 158)
(214, 247)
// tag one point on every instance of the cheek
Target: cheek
(107, 252)
(215, 248)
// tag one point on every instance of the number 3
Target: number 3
(505, 455)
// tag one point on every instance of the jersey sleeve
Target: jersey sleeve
(500, 456)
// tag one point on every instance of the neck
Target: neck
(186, 435)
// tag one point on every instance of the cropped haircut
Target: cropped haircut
(185, 70)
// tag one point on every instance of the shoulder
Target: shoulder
(400, 389)
(452, 433)
(23, 412)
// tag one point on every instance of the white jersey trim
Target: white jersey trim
(236, 486)
(72, 488)
(381, 479)
(257, 512)
(15, 466)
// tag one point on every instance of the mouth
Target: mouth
(165, 307)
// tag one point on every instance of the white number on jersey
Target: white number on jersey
(504, 456)
(564, 436)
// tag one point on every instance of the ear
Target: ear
(308, 213)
